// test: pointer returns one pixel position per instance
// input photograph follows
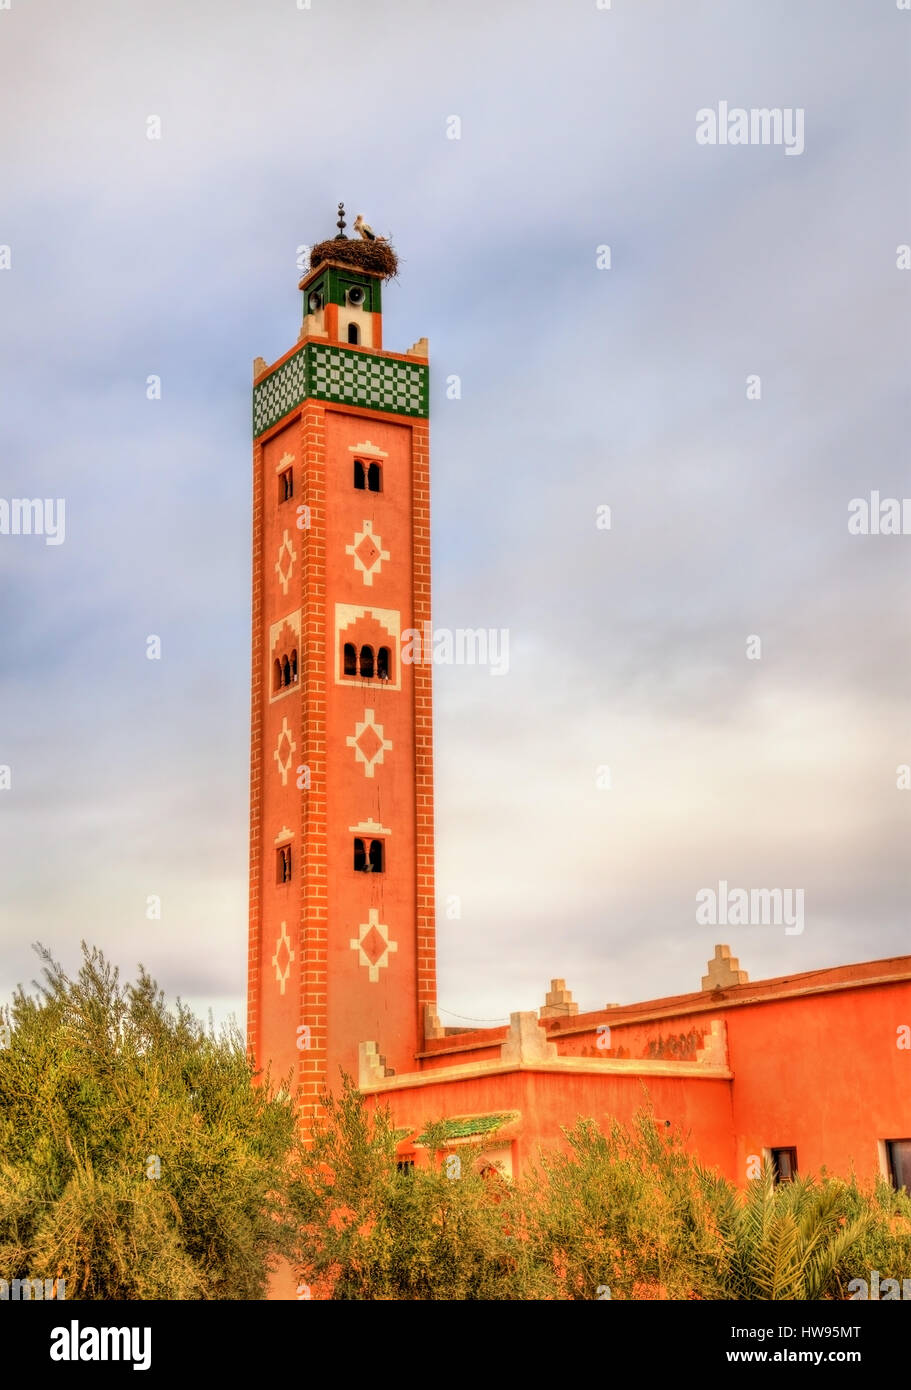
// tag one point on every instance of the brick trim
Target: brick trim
(254, 943)
(423, 731)
(311, 1069)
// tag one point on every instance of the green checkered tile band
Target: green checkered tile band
(325, 373)
(381, 383)
(280, 392)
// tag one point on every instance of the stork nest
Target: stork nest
(365, 255)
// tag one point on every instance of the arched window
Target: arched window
(366, 663)
(354, 333)
(376, 857)
(277, 675)
(293, 667)
(284, 864)
(360, 479)
(360, 856)
(382, 664)
(350, 659)
(374, 478)
(286, 671)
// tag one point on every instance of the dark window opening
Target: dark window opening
(405, 1165)
(365, 663)
(370, 860)
(284, 671)
(374, 478)
(284, 864)
(898, 1152)
(285, 485)
(784, 1164)
(354, 333)
(360, 477)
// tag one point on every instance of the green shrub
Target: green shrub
(625, 1211)
(372, 1232)
(99, 1080)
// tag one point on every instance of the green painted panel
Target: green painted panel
(333, 286)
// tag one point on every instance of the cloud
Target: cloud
(580, 387)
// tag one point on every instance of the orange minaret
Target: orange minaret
(341, 944)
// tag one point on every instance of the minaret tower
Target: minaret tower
(341, 947)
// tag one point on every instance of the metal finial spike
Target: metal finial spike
(340, 234)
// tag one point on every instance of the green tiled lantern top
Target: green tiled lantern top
(333, 286)
(323, 372)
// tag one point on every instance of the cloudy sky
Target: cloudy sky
(580, 388)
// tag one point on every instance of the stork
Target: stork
(365, 231)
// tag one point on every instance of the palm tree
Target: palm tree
(785, 1241)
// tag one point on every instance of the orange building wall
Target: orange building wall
(311, 998)
(822, 1072)
(383, 1010)
(549, 1101)
(819, 1070)
(276, 802)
